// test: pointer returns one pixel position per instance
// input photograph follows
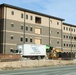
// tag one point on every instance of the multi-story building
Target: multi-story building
(69, 37)
(19, 26)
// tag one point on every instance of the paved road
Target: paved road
(53, 70)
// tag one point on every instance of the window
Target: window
(38, 20)
(22, 15)
(31, 29)
(50, 31)
(26, 39)
(12, 12)
(64, 28)
(57, 42)
(57, 32)
(67, 45)
(64, 36)
(64, 44)
(26, 16)
(30, 39)
(37, 41)
(21, 27)
(31, 17)
(57, 23)
(69, 29)
(11, 36)
(69, 37)
(11, 49)
(12, 25)
(74, 30)
(51, 21)
(26, 28)
(75, 37)
(38, 30)
(72, 45)
(21, 39)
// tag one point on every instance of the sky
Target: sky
(65, 9)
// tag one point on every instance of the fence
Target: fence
(9, 57)
(68, 56)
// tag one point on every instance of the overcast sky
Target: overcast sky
(65, 9)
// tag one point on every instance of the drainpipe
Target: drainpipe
(61, 36)
(71, 41)
(24, 29)
(5, 30)
(49, 31)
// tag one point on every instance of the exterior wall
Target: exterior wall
(44, 20)
(16, 16)
(44, 26)
(44, 33)
(54, 23)
(51, 31)
(1, 12)
(55, 33)
(69, 43)
(14, 31)
(55, 39)
(17, 32)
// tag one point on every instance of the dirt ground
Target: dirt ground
(34, 63)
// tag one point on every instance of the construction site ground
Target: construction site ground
(34, 63)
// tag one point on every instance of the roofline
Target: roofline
(69, 24)
(19, 8)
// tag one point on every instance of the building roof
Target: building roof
(69, 24)
(19, 8)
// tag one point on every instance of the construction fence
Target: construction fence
(9, 57)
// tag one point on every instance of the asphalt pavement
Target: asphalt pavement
(52, 70)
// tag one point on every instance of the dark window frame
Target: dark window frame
(12, 25)
(64, 28)
(21, 39)
(31, 39)
(69, 29)
(26, 16)
(57, 42)
(74, 30)
(67, 37)
(12, 37)
(38, 20)
(57, 32)
(26, 28)
(57, 23)
(31, 29)
(21, 15)
(64, 36)
(12, 12)
(26, 39)
(21, 27)
(31, 17)
(64, 44)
